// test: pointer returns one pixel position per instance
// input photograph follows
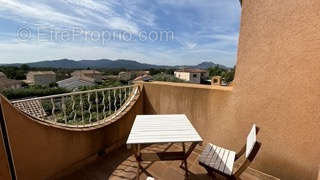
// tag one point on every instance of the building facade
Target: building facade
(76, 82)
(192, 75)
(95, 75)
(125, 76)
(42, 78)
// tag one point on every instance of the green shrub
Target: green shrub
(166, 77)
(29, 92)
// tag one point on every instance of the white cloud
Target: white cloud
(19, 11)
(122, 24)
(203, 29)
(90, 4)
(82, 13)
(188, 45)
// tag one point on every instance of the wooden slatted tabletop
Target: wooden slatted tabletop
(149, 129)
(157, 129)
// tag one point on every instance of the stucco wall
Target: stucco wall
(290, 144)
(208, 108)
(276, 83)
(275, 87)
(41, 151)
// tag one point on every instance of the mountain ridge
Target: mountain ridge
(108, 64)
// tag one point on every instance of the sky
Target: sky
(163, 32)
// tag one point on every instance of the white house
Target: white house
(192, 75)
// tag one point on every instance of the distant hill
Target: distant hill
(106, 63)
(208, 64)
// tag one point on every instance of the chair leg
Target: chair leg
(209, 172)
(185, 160)
(234, 178)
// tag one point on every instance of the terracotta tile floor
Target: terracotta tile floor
(121, 164)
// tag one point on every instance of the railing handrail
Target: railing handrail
(80, 122)
(72, 93)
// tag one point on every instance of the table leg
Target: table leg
(191, 148)
(138, 159)
(185, 159)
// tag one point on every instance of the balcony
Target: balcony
(82, 135)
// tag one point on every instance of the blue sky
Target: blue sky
(199, 30)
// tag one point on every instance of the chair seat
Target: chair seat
(218, 158)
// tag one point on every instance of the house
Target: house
(192, 75)
(76, 82)
(2, 75)
(42, 78)
(125, 76)
(93, 74)
(6, 83)
(110, 77)
(145, 78)
(139, 73)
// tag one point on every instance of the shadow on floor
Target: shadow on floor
(121, 164)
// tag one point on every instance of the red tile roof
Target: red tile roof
(192, 70)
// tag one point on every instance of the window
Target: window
(195, 75)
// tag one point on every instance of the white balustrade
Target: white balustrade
(83, 108)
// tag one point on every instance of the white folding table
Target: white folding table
(158, 129)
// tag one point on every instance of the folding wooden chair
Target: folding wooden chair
(219, 160)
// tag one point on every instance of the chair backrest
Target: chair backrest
(251, 140)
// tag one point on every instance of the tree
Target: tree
(166, 77)
(226, 74)
(25, 67)
(216, 71)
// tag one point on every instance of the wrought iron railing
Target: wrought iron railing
(79, 109)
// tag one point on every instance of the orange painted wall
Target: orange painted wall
(41, 151)
(276, 84)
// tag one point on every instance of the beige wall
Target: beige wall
(290, 139)
(41, 151)
(275, 87)
(206, 106)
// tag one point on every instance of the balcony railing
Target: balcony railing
(79, 109)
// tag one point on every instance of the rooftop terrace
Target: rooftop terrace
(92, 146)
(276, 87)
